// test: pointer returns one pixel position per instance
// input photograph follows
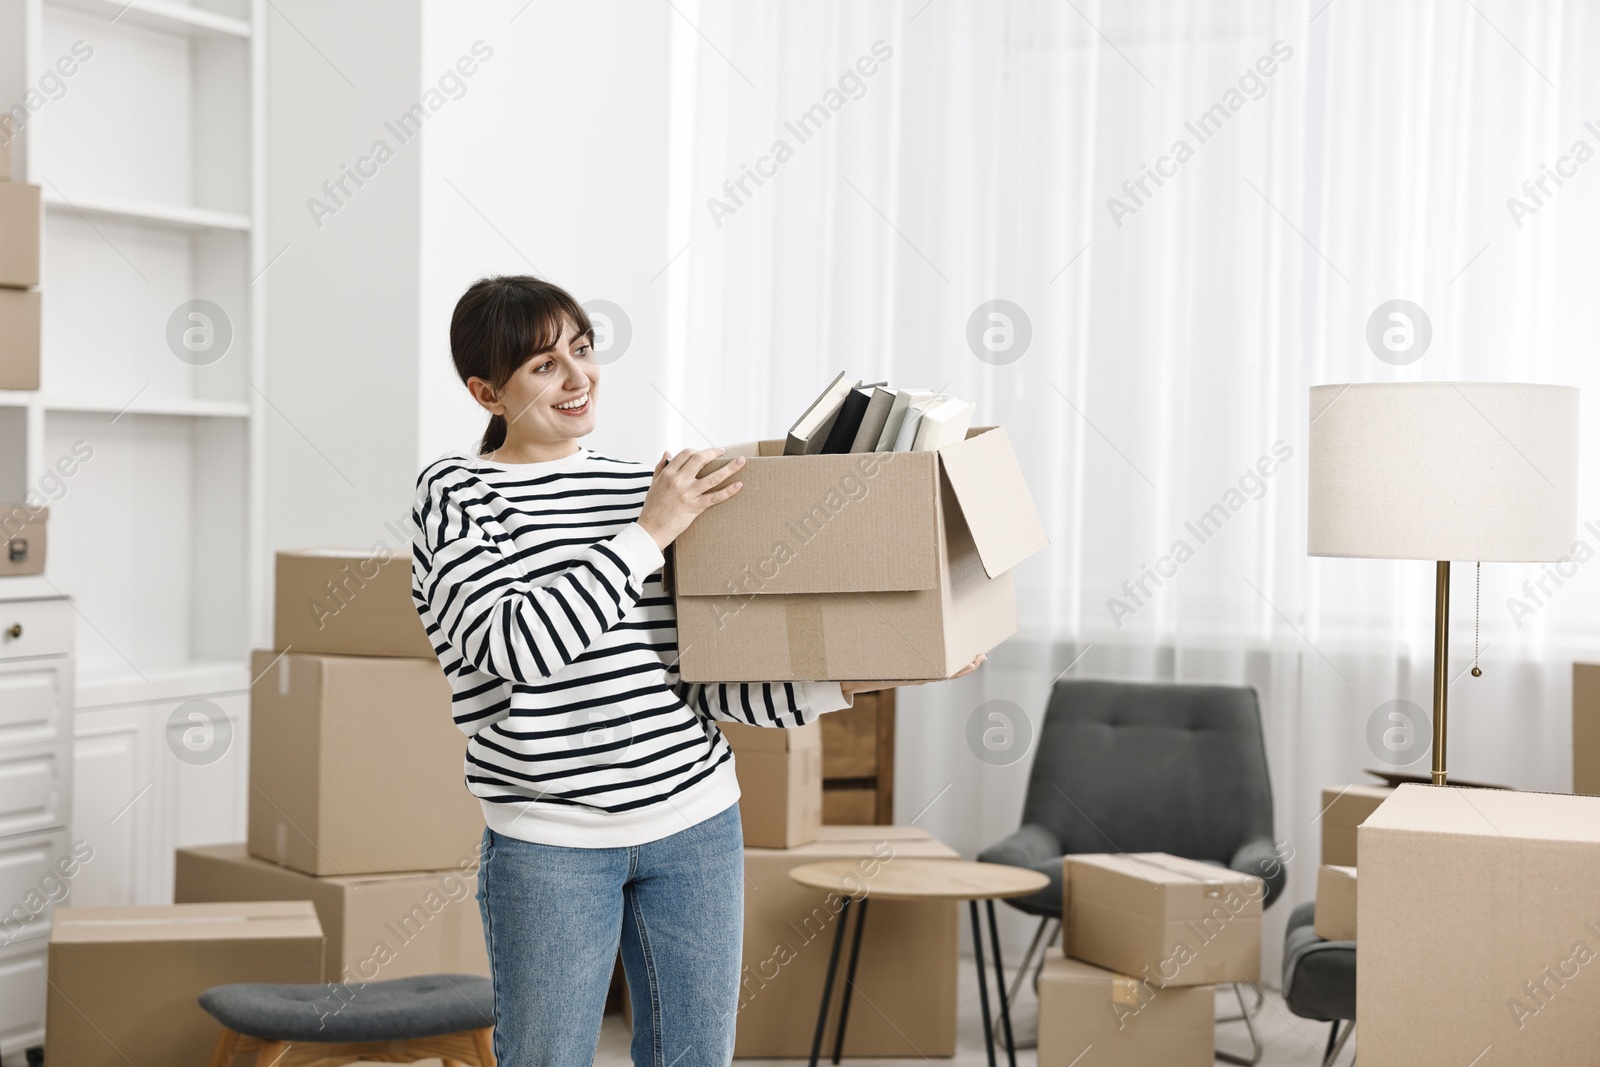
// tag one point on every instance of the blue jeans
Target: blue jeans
(553, 918)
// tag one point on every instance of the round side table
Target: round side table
(912, 878)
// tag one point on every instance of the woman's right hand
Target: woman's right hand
(677, 496)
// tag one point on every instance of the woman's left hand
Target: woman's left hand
(849, 688)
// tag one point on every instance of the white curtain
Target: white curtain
(1340, 155)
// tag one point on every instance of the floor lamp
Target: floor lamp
(1442, 471)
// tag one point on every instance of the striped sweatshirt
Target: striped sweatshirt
(542, 597)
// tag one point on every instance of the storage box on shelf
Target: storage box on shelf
(858, 761)
(23, 539)
(880, 565)
(124, 981)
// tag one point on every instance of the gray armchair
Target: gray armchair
(1144, 767)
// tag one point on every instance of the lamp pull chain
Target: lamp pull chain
(1477, 615)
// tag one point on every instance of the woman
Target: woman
(608, 793)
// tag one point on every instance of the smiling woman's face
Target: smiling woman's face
(531, 400)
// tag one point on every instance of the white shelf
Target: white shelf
(175, 681)
(163, 16)
(176, 216)
(214, 409)
(15, 398)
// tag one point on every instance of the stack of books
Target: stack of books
(852, 416)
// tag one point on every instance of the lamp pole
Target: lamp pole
(1441, 664)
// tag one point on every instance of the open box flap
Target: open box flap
(994, 498)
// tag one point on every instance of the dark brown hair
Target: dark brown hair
(500, 323)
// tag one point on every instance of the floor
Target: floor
(1287, 1041)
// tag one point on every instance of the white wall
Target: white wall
(552, 162)
(549, 158)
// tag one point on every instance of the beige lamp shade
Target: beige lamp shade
(1467, 471)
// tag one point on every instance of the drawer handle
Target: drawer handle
(15, 631)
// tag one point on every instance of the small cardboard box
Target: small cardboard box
(1175, 921)
(19, 235)
(1586, 728)
(347, 602)
(871, 566)
(19, 338)
(780, 782)
(124, 981)
(905, 1003)
(23, 543)
(1336, 903)
(1092, 1017)
(356, 766)
(378, 926)
(1479, 913)
(1344, 808)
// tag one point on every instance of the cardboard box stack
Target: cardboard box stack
(19, 274)
(1586, 728)
(357, 802)
(1146, 937)
(908, 962)
(780, 782)
(1344, 808)
(1480, 927)
(857, 559)
(1335, 917)
(123, 981)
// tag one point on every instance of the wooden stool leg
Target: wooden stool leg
(271, 1052)
(227, 1043)
(483, 1041)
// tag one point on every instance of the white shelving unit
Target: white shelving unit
(151, 164)
(151, 168)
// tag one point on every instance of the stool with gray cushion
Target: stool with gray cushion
(1144, 767)
(1319, 978)
(449, 1017)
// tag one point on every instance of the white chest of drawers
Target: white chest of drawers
(37, 860)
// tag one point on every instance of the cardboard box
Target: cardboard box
(1175, 921)
(1343, 809)
(905, 1004)
(1479, 913)
(377, 926)
(123, 981)
(348, 602)
(19, 235)
(1336, 903)
(1586, 728)
(780, 782)
(356, 766)
(871, 566)
(1092, 1017)
(19, 338)
(23, 543)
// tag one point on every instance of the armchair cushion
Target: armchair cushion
(1033, 847)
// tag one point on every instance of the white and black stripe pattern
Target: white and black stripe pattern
(542, 597)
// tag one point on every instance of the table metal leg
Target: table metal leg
(1000, 984)
(983, 990)
(827, 985)
(849, 976)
